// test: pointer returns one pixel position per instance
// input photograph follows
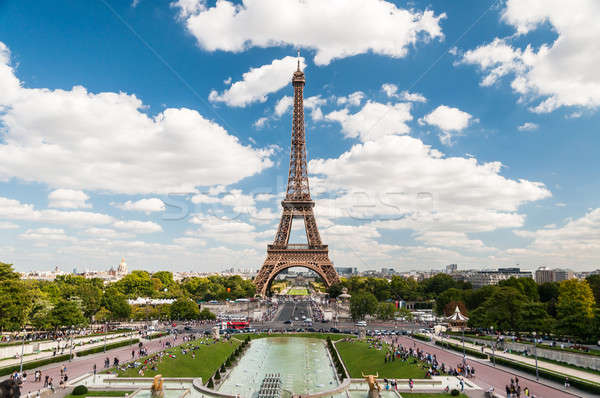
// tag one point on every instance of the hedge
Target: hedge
(459, 348)
(547, 374)
(421, 337)
(33, 364)
(108, 347)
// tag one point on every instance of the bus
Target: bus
(236, 324)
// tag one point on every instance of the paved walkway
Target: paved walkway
(49, 354)
(486, 375)
(80, 366)
(580, 374)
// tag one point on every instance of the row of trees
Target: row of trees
(72, 300)
(569, 308)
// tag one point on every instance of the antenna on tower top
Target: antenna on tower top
(298, 59)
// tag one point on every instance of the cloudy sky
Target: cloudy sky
(438, 131)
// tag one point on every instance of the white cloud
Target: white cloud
(260, 122)
(11, 209)
(46, 234)
(577, 242)
(391, 90)
(68, 199)
(335, 29)
(259, 82)
(563, 73)
(528, 126)
(138, 227)
(448, 119)
(374, 120)
(8, 225)
(283, 105)
(148, 205)
(397, 182)
(314, 104)
(107, 233)
(50, 134)
(353, 99)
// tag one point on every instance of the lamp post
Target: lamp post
(105, 332)
(22, 353)
(537, 375)
(494, 347)
(71, 350)
(463, 344)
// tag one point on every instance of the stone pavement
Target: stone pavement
(487, 375)
(49, 354)
(83, 365)
(580, 374)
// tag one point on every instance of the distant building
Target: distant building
(563, 275)
(122, 268)
(544, 275)
(489, 277)
(451, 268)
(347, 270)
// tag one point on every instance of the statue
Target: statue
(156, 390)
(374, 387)
(10, 389)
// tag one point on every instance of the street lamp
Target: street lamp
(537, 375)
(71, 350)
(463, 344)
(105, 332)
(494, 346)
(22, 353)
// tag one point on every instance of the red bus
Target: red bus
(238, 324)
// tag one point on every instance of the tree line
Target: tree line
(72, 300)
(568, 308)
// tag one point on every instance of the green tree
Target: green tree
(362, 304)
(437, 284)
(205, 314)
(184, 308)
(527, 286)
(67, 313)
(503, 310)
(116, 302)
(15, 299)
(448, 296)
(386, 311)
(535, 318)
(335, 290)
(594, 282)
(404, 288)
(548, 293)
(136, 284)
(575, 308)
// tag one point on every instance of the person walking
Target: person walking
(94, 369)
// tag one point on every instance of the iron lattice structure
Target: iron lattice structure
(297, 205)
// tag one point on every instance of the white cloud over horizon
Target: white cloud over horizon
(335, 29)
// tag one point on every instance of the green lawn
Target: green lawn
(100, 394)
(209, 358)
(298, 291)
(358, 358)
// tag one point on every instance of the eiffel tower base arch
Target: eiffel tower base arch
(279, 260)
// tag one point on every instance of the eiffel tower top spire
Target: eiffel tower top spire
(298, 189)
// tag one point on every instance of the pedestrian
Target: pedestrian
(462, 385)
(567, 384)
(94, 369)
(526, 391)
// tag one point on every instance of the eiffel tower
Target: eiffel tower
(296, 205)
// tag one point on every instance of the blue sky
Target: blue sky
(438, 132)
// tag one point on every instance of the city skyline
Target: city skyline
(160, 133)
